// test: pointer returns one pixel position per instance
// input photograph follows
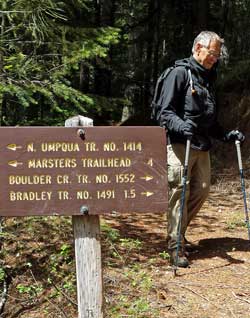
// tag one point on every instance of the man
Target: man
(188, 110)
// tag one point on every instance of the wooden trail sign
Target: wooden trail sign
(78, 170)
(83, 172)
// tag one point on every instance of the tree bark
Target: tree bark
(201, 12)
(149, 56)
(103, 74)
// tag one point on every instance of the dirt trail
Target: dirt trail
(39, 258)
(217, 283)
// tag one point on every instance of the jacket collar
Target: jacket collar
(204, 75)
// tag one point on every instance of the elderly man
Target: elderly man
(188, 110)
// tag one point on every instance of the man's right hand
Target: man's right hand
(188, 128)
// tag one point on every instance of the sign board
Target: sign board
(77, 170)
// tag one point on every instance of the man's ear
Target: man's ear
(197, 47)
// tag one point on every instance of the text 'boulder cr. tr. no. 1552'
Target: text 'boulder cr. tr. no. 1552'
(72, 171)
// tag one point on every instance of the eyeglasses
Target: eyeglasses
(214, 54)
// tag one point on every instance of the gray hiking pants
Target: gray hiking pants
(197, 189)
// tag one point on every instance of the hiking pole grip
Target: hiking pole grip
(188, 146)
(237, 144)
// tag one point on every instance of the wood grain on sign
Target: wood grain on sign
(74, 170)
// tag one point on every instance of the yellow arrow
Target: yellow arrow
(147, 194)
(150, 162)
(147, 178)
(14, 163)
(13, 147)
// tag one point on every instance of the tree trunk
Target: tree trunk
(84, 78)
(103, 74)
(149, 55)
(201, 12)
(157, 43)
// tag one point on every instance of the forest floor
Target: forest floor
(39, 270)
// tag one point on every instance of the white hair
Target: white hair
(205, 37)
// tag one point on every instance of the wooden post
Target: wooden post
(88, 253)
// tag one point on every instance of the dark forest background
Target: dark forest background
(101, 58)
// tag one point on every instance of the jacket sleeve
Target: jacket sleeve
(172, 93)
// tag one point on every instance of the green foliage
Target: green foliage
(30, 290)
(119, 247)
(2, 274)
(41, 62)
(235, 221)
(59, 259)
(65, 251)
(164, 255)
(139, 277)
(140, 283)
(111, 234)
(61, 58)
(130, 243)
(39, 17)
(139, 308)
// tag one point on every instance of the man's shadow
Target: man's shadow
(221, 247)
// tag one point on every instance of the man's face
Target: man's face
(208, 56)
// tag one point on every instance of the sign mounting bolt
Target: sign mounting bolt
(84, 210)
(81, 133)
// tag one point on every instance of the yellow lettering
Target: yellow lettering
(63, 195)
(109, 146)
(82, 178)
(132, 146)
(12, 196)
(19, 196)
(102, 178)
(82, 195)
(59, 146)
(106, 162)
(52, 163)
(49, 194)
(30, 196)
(30, 147)
(129, 194)
(62, 179)
(36, 179)
(125, 178)
(90, 146)
(105, 194)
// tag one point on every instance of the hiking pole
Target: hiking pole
(237, 144)
(183, 194)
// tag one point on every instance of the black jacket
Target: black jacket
(179, 104)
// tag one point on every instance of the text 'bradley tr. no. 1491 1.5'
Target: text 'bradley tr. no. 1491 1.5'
(56, 171)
